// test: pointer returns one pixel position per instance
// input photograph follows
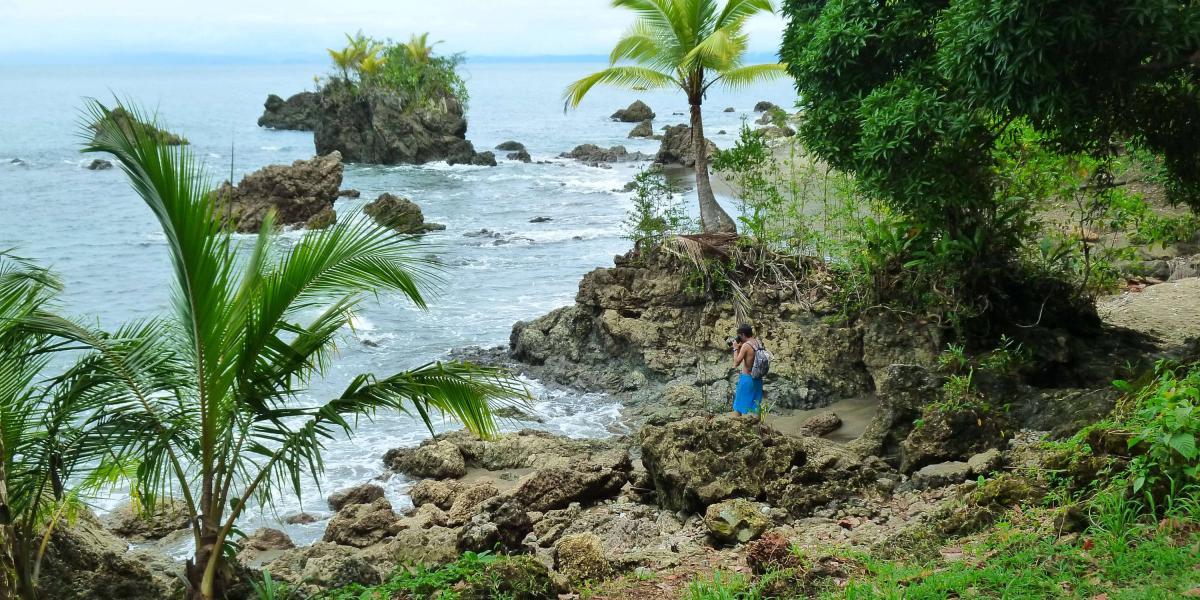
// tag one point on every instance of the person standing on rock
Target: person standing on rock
(748, 395)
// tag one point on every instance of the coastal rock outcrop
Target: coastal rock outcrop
(168, 516)
(359, 494)
(400, 214)
(595, 156)
(510, 146)
(84, 561)
(128, 123)
(637, 328)
(644, 129)
(378, 127)
(298, 113)
(99, 164)
(634, 113)
(520, 155)
(764, 106)
(698, 462)
(301, 194)
(678, 148)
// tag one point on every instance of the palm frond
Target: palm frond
(745, 76)
(719, 51)
(620, 76)
(738, 10)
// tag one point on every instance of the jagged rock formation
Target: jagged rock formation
(85, 562)
(378, 127)
(595, 156)
(634, 113)
(301, 194)
(637, 326)
(677, 147)
(400, 214)
(645, 129)
(299, 112)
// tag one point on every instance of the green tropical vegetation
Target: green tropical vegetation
(204, 403)
(690, 45)
(411, 69)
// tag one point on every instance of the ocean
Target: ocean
(91, 228)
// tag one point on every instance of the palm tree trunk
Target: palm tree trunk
(203, 586)
(713, 218)
(8, 565)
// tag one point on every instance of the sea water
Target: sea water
(92, 229)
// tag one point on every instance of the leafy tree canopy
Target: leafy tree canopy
(910, 95)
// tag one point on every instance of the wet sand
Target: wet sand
(855, 413)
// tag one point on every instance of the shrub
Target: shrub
(658, 211)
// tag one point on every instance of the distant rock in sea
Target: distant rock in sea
(400, 214)
(635, 113)
(510, 146)
(595, 156)
(482, 159)
(730, 109)
(644, 129)
(119, 117)
(521, 155)
(540, 220)
(764, 106)
(99, 164)
(349, 193)
(300, 194)
(297, 113)
(677, 147)
(377, 126)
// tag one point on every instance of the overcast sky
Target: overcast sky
(38, 30)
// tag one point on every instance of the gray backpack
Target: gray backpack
(762, 362)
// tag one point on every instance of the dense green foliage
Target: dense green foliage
(473, 576)
(689, 45)
(410, 69)
(951, 114)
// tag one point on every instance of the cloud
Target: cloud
(303, 28)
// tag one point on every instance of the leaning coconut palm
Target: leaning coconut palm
(250, 330)
(691, 45)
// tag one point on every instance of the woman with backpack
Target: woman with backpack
(754, 361)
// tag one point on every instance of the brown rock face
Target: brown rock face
(677, 147)
(167, 517)
(363, 525)
(298, 194)
(701, 461)
(400, 214)
(85, 561)
(361, 494)
(379, 127)
(635, 113)
(298, 112)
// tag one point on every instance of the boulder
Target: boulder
(581, 559)
(297, 193)
(468, 501)
(266, 538)
(380, 127)
(436, 493)
(520, 155)
(362, 525)
(701, 461)
(83, 561)
(299, 112)
(400, 214)
(949, 433)
(593, 155)
(533, 220)
(985, 462)
(482, 159)
(99, 164)
(764, 106)
(772, 132)
(677, 147)
(127, 123)
(510, 146)
(167, 517)
(644, 129)
(426, 546)
(821, 424)
(527, 448)
(941, 474)
(737, 521)
(359, 494)
(321, 567)
(729, 109)
(438, 460)
(302, 518)
(634, 113)
(349, 193)
(322, 220)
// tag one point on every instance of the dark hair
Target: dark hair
(745, 330)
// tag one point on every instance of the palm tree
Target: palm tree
(359, 49)
(45, 442)
(691, 45)
(419, 49)
(248, 332)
